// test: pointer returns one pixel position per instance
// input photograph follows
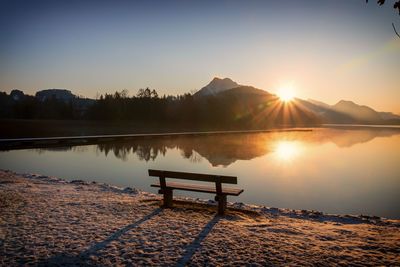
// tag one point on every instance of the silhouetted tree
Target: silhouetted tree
(396, 5)
(154, 94)
(144, 93)
(222, 111)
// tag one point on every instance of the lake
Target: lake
(334, 170)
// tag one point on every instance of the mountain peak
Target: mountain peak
(346, 102)
(217, 79)
(216, 86)
(221, 79)
(359, 112)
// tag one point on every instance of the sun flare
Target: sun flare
(286, 94)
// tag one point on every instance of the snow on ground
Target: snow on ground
(49, 221)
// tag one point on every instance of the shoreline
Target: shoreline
(44, 142)
(14, 128)
(50, 221)
(294, 213)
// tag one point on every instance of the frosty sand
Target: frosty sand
(50, 221)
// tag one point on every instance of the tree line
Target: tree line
(30, 107)
(145, 107)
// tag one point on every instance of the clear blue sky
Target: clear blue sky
(327, 50)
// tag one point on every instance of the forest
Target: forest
(243, 108)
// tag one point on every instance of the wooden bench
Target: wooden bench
(166, 188)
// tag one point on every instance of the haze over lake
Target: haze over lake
(346, 171)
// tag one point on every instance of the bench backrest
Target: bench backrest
(194, 176)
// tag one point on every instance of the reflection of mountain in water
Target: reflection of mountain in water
(353, 137)
(217, 149)
(223, 150)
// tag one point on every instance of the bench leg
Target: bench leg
(168, 193)
(221, 204)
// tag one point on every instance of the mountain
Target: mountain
(350, 112)
(245, 91)
(17, 95)
(258, 108)
(358, 112)
(216, 86)
(222, 104)
(319, 103)
(325, 112)
(389, 116)
(60, 94)
(249, 101)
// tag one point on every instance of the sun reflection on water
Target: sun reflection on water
(287, 150)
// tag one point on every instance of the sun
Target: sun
(286, 94)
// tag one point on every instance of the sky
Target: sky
(324, 50)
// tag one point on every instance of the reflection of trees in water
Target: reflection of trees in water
(76, 149)
(145, 150)
(41, 151)
(148, 149)
(223, 150)
(217, 149)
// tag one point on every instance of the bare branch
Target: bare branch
(394, 28)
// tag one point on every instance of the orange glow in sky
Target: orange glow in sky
(332, 50)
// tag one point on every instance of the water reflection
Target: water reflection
(76, 149)
(334, 170)
(145, 150)
(223, 150)
(218, 150)
(287, 150)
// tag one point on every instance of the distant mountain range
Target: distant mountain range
(17, 97)
(342, 112)
(346, 111)
(42, 95)
(250, 105)
(48, 94)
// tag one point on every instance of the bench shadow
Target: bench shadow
(82, 259)
(196, 244)
(99, 246)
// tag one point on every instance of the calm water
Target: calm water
(332, 170)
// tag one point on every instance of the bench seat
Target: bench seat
(200, 188)
(221, 192)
